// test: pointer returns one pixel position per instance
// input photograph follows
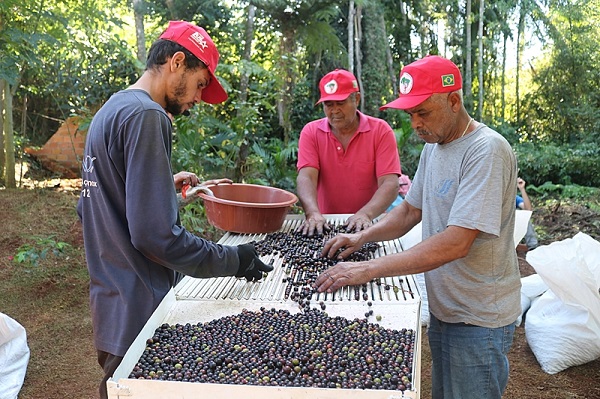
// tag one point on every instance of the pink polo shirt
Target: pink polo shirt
(348, 179)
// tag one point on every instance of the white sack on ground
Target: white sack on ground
(563, 326)
(521, 222)
(531, 287)
(14, 357)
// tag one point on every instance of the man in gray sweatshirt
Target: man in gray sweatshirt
(136, 248)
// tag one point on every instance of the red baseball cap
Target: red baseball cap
(423, 78)
(337, 86)
(199, 43)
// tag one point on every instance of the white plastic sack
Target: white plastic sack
(525, 305)
(531, 287)
(14, 357)
(521, 222)
(563, 326)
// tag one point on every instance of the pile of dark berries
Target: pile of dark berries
(302, 260)
(278, 348)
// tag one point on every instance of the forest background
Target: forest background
(531, 71)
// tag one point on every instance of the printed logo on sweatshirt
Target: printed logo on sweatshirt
(88, 164)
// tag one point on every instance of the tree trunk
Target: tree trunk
(480, 61)
(288, 48)
(468, 78)
(2, 157)
(139, 10)
(247, 54)
(9, 141)
(358, 54)
(375, 71)
(503, 79)
(171, 8)
(351, 16)
(520, 39)
(402, 8)
(390, 66)
(23, 128)
(244, 79)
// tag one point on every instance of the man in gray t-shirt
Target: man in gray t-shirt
(463, 193)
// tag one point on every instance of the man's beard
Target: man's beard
(173, 106)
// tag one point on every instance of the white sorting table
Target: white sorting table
(196, 300)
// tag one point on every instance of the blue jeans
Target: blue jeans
(469, 362)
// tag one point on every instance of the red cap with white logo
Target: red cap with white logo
(199, 43)
(423, 78)
(337, 86)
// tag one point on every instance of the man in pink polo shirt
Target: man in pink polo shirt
(348, 162)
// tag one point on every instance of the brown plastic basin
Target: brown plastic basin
(247, 208)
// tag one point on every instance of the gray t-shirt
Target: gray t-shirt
(135, 246)
(470, 183)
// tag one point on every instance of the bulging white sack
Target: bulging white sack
(563, 326)
(14, 357)
(531, 288)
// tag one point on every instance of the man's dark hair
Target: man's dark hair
(162, 50)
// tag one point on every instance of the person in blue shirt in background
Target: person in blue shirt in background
(404, 183)
(523, 202)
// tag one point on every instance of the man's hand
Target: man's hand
(358, 222)
(251, 267)
(343, 274)
(346, 243)
(314, 223)
(185, 179)
(216, 182)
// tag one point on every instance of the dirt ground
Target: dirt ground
(49, 298)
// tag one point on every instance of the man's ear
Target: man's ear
(455, 101)
(177, 61)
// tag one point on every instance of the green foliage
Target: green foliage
(207, 13)
(32, 254)
(304, 109)
(559, 164)
(508, 132)
(193, 218)
(564, 107)
(206, 145)
(409, 144)
(68, 58)
(104, 68)
(273, 164)
(549, 190)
